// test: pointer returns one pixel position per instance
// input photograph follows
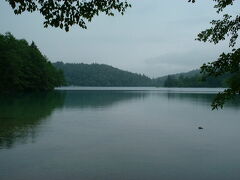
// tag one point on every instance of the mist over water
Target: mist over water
(120, 134)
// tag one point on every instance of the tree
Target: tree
(227, 63)
(24, 68)
(80, 74)
(170, 81)
(65, 13)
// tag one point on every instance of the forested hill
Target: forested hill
(24, 68)
(80, 74)
(160, 81)
(194, 79)
(100, 75)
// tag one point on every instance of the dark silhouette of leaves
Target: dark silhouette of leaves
(227, 63)
(66, 13)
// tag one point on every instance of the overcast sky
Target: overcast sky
(154, 37)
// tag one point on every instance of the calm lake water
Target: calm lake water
(118, 134)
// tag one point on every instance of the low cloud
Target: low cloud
(176, 62)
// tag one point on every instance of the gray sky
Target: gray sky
(154, 37)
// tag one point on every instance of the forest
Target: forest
(195, 79)
(24, 68)
(80, 74)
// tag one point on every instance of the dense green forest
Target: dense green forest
(160, 81)
(24, 68)
(195, 79)
(104, 75)
(100, 75)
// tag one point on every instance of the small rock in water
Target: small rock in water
(200, 127)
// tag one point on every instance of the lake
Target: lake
(118, 134)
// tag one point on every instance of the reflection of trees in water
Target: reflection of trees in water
(21, 114)
(95, 99)
(204, 98)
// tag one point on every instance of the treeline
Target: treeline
(100, 75)
(24, 68)
(80, 74)
(195, 81)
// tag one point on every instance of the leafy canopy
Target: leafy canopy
(65, 13)
(100, 75)
(24, 68)
(227, 27)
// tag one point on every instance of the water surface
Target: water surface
(118, 134)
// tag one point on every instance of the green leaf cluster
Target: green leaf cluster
(227, 63)
(24, 68)
(66, 13)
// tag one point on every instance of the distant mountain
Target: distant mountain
(100, 75)
(187, 74)
(194, 79)
(160, 81)
(80, 74)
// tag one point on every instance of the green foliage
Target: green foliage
(196, 80)
(227, 63)
(24, 68)
(104, 75)
(100, 75)
(63, 14)
(220, 4)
